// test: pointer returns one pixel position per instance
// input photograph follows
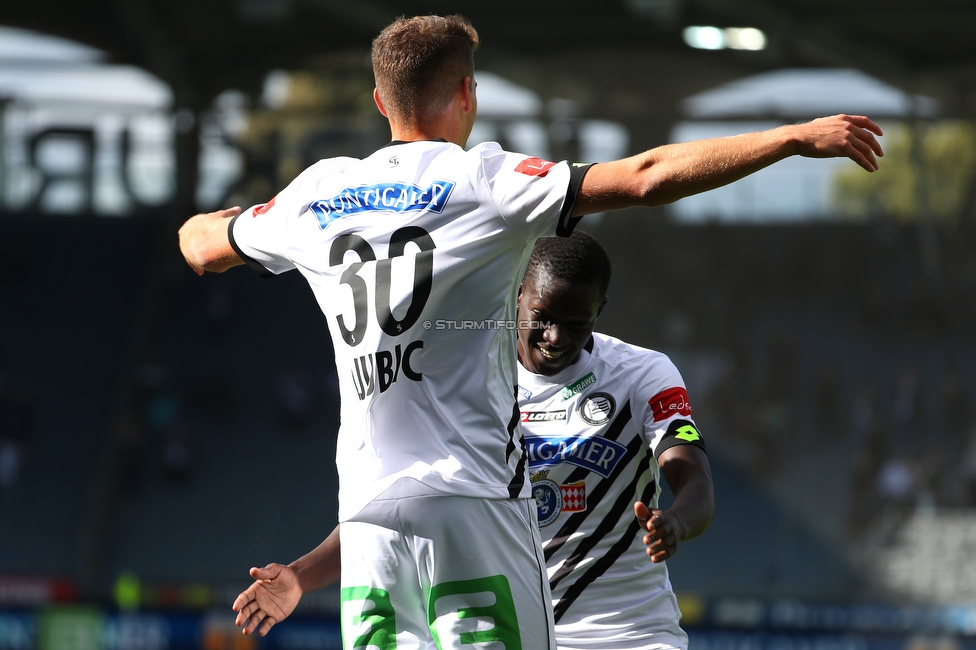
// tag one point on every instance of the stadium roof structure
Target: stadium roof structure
(624, 60)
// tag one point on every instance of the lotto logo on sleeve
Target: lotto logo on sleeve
(535, 167)
(670, 402)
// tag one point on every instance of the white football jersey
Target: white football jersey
(414, 255)
(592, 433)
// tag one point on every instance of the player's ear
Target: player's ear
(379, 103)
(518, 301)
(602, 305)
(467, 93)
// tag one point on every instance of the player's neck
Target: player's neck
(440, 130)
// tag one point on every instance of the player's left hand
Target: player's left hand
(661, 537)
(846, 136)
(273, 596)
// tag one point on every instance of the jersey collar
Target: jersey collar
(396, 142)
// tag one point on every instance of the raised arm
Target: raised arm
(205, 243)
(686, 469)
(670, 172)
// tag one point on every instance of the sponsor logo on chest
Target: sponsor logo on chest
(596, 454)
(577, 387)
(543, 416)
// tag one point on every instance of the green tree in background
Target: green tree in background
(947, 159)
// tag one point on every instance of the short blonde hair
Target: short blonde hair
(418, 63)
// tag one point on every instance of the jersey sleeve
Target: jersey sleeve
(663, 402)
(535, 196)
(259, 235)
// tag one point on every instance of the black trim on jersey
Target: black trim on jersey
(619, 548)
(252, 263)
(564, 228)
(589, 345)
(670, 440)
(518, 480)
(396, 142)
(580, 473)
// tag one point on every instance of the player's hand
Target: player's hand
(273, 596)
(661, 538)
(840, 136)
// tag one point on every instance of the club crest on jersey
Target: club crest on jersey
(597, 409)
(551, 499)
(548, 497)
(390, 197)
(596, 453)
(534, 167)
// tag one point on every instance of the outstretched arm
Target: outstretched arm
(205, 243)
(670, 172)
(278, 588)
(685, 468)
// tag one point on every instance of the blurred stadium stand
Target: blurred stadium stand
(101, 318)
(750, 314)
(183, 428)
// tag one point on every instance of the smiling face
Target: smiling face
(555, 320)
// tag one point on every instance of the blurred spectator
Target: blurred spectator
(210, 401)
(130, 443)
(864, 477)
(874, 304)
(955, 405)
(220, 307)
(163, 411)
(826, 395)
(16, 431)
(930, 486)
(864, 412)
(176, 453)
(153, 375)
(160, 403)
(898, 482)
(907, 405)
(295, 398)
(906, 411)
(782, 360)
(967, 469)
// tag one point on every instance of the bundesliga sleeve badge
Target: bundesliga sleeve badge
(534, 167)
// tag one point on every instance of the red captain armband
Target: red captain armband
(534, 167)
(261, 209)
(670, 402)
